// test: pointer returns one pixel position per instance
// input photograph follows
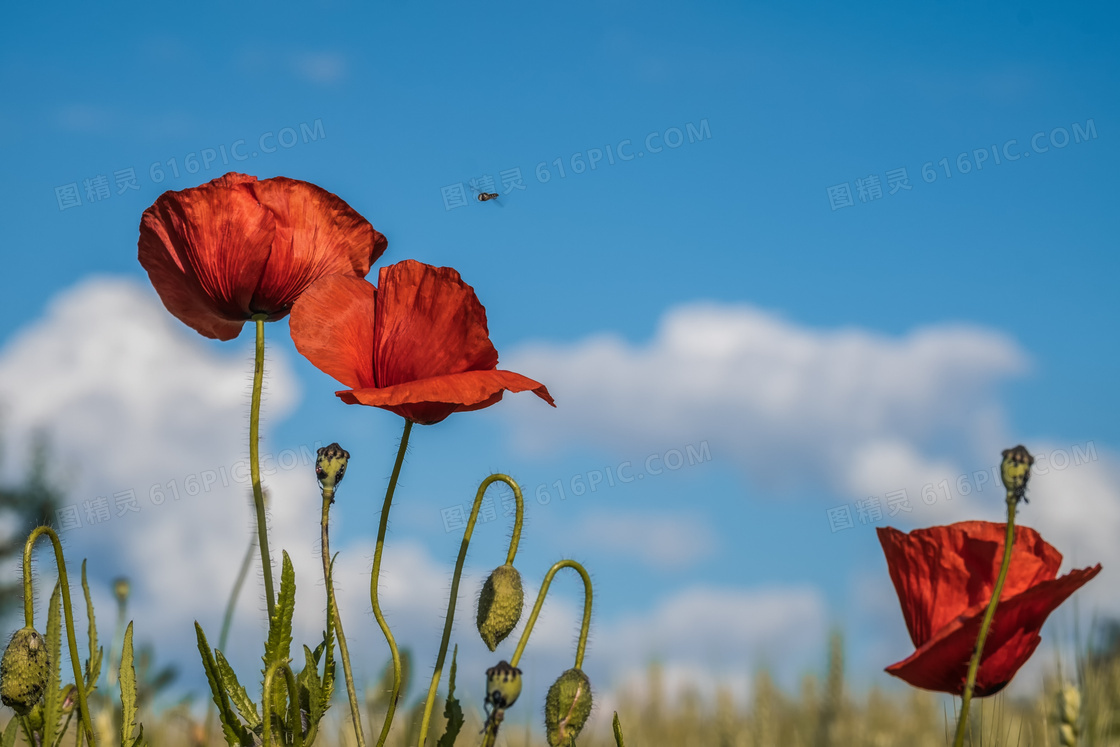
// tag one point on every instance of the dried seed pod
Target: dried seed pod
(503, 685)
(500, 605)
(24, 670)
(567, 707)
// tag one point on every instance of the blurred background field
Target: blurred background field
(1081, 709)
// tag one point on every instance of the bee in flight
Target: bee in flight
(484, 196)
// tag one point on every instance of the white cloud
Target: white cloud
(789, 404)
(661, 541)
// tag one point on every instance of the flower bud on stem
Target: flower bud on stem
(29, 616)
(429, 702)
(330, 466)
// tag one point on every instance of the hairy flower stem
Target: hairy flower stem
(328, 499)
(986, 623)
(29, 616)
(294, 717)
(450, 618)
(584, 628)
(375, 577)
(255, 464)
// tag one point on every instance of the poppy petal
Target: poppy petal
(332, 326)
(205, 249)
(429, 401)
(317, 234)
(429, 324)
(939, 572)
(942, 663)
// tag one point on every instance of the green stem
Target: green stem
(450, 618)
(255, 464)
(328, 499)
(29, 616)
(584, 628)
(986, 623)
(294, 718)
(375, 577)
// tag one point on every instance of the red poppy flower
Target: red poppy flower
(416, 345)
(219, 253)
(945, 576)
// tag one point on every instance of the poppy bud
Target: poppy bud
(330, 466)
(1016, 469)
(121, 589)
(567, 707)
(500, 605)
(23, 670)
(503, 685)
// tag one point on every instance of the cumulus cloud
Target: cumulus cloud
(661, 541)
(790, 403)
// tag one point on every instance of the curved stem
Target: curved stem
(328, 499)
(293, 703)
(227, 619)
(450, 618)
(29, 616)
(255, 464)
(540, 602)
(375, 577)
(986, 623)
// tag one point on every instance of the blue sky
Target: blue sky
(719, 292)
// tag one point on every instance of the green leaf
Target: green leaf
(618, 731)
(93, 663)
(278, 646)
(245, 705)
(451, 709)
(128, 693)
(10, 734)
(310, 687)
(235, 732)
(279, 643)
(52, 700)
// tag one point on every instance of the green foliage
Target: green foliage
(617, 731)
(293, 717)
(236, 734)
(451, 709)
(128, 695)
(93, 663)
(52, 699)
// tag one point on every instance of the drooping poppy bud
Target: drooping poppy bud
(23, 670)
(1016, 470)
(330, 466)
(500, 605)
(503, 685)
(567, 707)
